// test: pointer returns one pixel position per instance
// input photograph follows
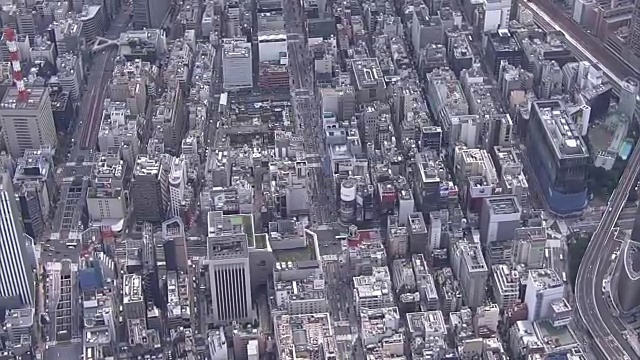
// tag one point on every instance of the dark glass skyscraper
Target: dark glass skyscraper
(149, 14)
(559, 157)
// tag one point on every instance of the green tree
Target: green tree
(602, 182)
(578, 243)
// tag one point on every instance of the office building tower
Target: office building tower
(544, 288)
(35, 176)
(16, 277)
(528, 247)
(629, 280)
(146, 189)
(175, 245)
(628, 97)
(70, 73)
(431, 138)
(28, 196)
(26, 23)
(237, 65)
(435, 230)
(559, 157)
(634, 37)
(229, 274)
(92, 18)
(418, 234)
(150, 14)
(499, 219)
(369, 80)
(497, 15)
(425, 30)
(627, 267)
(66, 34)
(398, 237)
(27, 123)
(502, 45)
(429, 181)
(177, 187)
(105, 197)
(469, 266)
(340, 102)
(506, 286)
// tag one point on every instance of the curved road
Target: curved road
(593, 309)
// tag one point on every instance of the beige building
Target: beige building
(27, 124)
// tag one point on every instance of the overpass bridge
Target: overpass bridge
(103, 43)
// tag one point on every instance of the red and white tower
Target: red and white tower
(10, 38)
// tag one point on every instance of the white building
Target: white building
(177, 186)
(229, 272)
(496, 15)
(487, 316)
(27, 123)
(499, 219)
(70, 74)
(506, 283)
(405, 206)
(300, 291)
(119, 129)
(435, 230)
(105, 197)
(217, 344)
(237, 65)
(16, 277)
(544, 287)
(92, 21)
(375, 291)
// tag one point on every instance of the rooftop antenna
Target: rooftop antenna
(10, 38)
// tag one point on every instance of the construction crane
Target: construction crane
(10, 37)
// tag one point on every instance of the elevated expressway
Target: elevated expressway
(607, 330)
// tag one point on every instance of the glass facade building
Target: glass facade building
(559, 157)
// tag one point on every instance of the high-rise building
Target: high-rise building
(149, 14)
(506, 286)
(544, 289)
(146, 189)
(558, 156)
(16, 279)
(229, 273)
(497, 14)
(177, 186)
(502, 45)
(629, 276)
(634, 38)
(629, 97)
(105, 198)
(27, 123)
(499, 219)
(471, 269)
(418, 234)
